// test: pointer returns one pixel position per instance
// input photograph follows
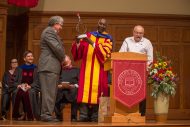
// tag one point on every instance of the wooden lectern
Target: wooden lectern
(118, 111)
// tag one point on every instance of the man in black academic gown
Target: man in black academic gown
(67, 89)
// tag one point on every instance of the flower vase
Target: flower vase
(161, 105)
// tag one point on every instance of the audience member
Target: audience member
(8, 88)
(27, 85)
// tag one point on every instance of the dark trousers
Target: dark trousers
(59, 106)
(24, 97)
(88, 112)
(64, 97)
(5, 104)
(142, 107)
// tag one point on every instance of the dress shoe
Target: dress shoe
(56, 120)
(142, 114)
(59, 118)
(94, 120)
(73, 120)
(50, 119)
(83, 120)
(23, 117)
(3, 118)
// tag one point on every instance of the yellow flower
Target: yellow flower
(156, 65)
(164, 64)
(161, 75)
(169, 72)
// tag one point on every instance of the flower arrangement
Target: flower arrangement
(161, 76)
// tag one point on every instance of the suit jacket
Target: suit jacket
(52, 52)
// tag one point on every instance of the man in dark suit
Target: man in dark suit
(67, 90)
(49, 67)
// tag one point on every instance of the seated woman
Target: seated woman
(8, 87)
(27, 87)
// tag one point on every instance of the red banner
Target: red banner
(129, 78)
(23, 3)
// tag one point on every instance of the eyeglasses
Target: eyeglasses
(14, 62)
(138, 32)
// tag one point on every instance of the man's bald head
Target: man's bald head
(138, 33)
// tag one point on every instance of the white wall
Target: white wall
(126, 6)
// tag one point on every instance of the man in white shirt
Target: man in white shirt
(137, 43)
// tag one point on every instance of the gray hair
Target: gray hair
(54, 20)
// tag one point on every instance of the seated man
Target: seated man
(27, 90)
(67, 89)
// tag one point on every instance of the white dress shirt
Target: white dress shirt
(144, 46)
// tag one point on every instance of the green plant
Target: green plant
(161, 76)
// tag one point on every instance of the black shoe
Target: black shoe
(56, 120)
(59, 117)
(83, 120)
(50, 119)
(22, 117)
(73, 120)
(3, 118)
(53, 120)
(94, 120)
(142, 114)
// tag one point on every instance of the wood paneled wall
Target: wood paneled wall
(169, 34)
(3, 24)
(17, 37)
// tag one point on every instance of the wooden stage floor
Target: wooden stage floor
(169, 123)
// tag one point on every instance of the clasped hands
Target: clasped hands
(24, 86)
